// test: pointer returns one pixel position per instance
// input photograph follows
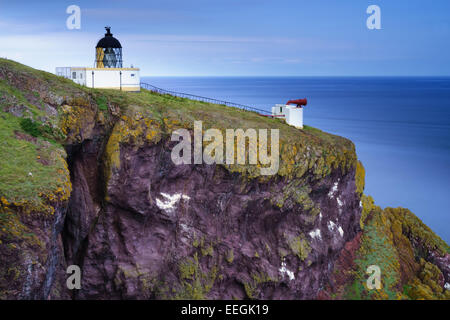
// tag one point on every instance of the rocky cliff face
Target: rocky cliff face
(105, 195)
(187, 231)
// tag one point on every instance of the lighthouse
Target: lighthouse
(108, 71)
(108, 52)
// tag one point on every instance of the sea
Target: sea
(400, 127)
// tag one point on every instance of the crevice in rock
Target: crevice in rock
(86, 203)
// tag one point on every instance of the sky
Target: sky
(236, 37)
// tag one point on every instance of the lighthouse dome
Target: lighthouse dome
(108, 52)
(108, 41)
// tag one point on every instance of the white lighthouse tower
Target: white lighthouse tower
(108, 72)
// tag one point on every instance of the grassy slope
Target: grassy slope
(32, 166)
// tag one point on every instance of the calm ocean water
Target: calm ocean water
(400, 126)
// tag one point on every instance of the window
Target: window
(132, 74)
(74, 75)
(81, 76)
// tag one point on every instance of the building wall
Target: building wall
(78, 75)
(110, 78)
(292, 114)
(278, 110)
(127, 79)
(63, 72)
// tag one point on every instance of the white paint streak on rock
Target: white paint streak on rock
(315, 234)
(283, 270)
(333, 190)
(332, 226)
(170, 201)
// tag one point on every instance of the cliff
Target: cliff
(86, 178)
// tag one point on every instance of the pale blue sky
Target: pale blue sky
(236, 37)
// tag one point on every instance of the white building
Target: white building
(292, 114)
(108, 72)
(126, 79)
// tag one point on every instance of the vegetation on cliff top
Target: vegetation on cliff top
(58, 112)
(33, 170)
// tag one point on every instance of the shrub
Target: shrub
(30, 127)
(102, 103)
(37, 129)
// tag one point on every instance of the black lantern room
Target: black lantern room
(108, 52)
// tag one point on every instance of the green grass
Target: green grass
(18, 158)
(376, 249)
(212, 115)
(102, 103)
(15, 96)
(10, 93)
(55, 84)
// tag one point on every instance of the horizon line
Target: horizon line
(298, 76)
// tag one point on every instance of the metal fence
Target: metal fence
(204, 99)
